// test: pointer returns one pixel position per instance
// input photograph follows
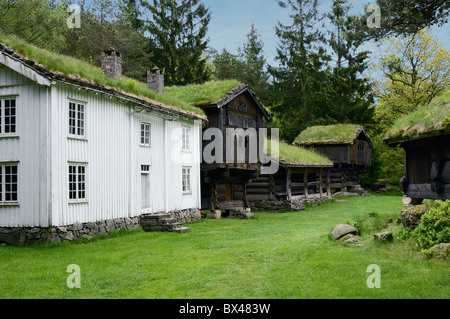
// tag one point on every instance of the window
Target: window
(8, 183)
(145, 186)
(145, 134)
(76, 119)
(8, 108)
(361, 148)
(77, 182)
(145, 169)
(186, 138)
(186, 180)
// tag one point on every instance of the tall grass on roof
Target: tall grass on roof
(428, 120)
(72, 66)
(198, 94)
(297, 155)
(330, 134)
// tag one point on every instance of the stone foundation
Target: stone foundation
(22, 235)
(169, 222)
(287, 205)
(30, 235)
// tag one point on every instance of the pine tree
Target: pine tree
(348, 91)
(253, 64)
(178, 28)
(296, 92)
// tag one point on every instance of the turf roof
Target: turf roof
(200, 94)
(76, 68)
(429, 120)
(329, 134)
(298, 156)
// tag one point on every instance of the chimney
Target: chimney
(155, 80)
(112, 64)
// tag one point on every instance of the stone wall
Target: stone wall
(286, 205)
(30, 235)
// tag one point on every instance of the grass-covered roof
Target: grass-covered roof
(77, 69)
(201, 94)
(329, 134)
(429, 120)
(291, 155)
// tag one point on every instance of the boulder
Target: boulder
(442, 249)
(383, 237)
(411, 215)
(342, 230)
(353, 241)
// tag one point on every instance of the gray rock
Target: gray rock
(216, 214)
(411, 215)
(442, 249)
(384, 237)
(342, 230)
(354, 241)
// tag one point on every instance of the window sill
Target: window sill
(79, 202)
(186, 151)
(187, 193)
(9, 137)
(75, 138)
(145, 146)
(9, 205)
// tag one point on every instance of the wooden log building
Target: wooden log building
(347, 145)
(425, 138)
(302, 176)
(228, 105)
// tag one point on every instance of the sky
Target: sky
(231, 21)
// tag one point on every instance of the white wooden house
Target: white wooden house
(79, 159)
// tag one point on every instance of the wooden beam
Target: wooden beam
(321, 183)
(305, 182)
(329, 182)
(288, 184)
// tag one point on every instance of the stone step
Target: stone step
(155, 216)
(183, 230)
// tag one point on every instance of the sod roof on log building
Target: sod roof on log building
(330, 134)
(296, 156)
(428, 121)
(74, 71)
(214, 94)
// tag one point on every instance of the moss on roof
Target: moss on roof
(201, 94)
(329, 134)
(296, 155)
(75, 67)
(429, 120)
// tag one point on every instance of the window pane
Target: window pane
(10, 179)
(10, 116)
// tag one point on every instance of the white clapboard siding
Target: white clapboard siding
(30, 149)
(111, 151)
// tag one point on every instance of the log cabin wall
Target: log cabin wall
(224, 184)
(427, 168)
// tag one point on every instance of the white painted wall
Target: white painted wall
(111, 151)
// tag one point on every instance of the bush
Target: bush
(434, 226)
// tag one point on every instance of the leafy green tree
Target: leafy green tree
(40, 22)
(227, 65)
(407, 17)
(178, 28)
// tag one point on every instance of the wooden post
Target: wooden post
(329, 182)
(320, 183)
(288, 184)
(305, 183)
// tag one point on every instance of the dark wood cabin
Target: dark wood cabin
(348, 146)
(224, 182)
(298, 178)
(427, 157)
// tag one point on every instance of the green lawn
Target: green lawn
(275, 256)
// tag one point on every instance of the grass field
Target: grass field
(275, 256)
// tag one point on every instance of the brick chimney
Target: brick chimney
(155, 80)
(112, 63)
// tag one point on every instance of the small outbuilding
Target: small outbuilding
(347, 145)
(425, 137)
(303, 177)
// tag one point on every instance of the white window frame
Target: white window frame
(77, 119)
(3, 184)
(144, 131)
(186, 138)
(77, 190)
(186, 178)
(3, 115)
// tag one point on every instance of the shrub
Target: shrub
(434, 226)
